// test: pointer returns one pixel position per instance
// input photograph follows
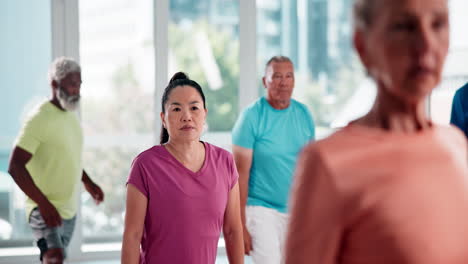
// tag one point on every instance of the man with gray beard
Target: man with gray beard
(46, 163)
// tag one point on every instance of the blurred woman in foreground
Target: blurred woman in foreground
(391, 187)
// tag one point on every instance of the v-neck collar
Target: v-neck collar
(205, 162)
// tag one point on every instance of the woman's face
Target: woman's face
(185, 114)
(405, 46)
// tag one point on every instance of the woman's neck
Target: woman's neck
(393, 114)
(187, 151)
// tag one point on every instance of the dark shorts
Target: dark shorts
(51, 237)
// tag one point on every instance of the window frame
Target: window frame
(65, 42)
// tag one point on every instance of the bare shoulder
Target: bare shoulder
(452, 138)
(337, 142)
(452, 131)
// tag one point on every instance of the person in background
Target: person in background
(267, 139)
(46, 163)
(459, 116)
(391, 186)
(183, 192)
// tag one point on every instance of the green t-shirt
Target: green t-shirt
(55, 140)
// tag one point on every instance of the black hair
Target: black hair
(178, 79)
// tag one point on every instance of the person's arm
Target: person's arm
(17, 169)
(232, 228)
(310, 123)
(312, 127)
(243, 159)
(315, 229)
(134, 223)
(93, 189)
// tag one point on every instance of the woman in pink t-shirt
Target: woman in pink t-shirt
(391, 187)
(182, 193)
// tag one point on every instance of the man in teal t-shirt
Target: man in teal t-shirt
(46, 163)
(267, 139)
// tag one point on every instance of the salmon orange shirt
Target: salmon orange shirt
(365, 195)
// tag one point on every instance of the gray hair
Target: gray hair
(363, 13)
(277, 59)
(61, 67)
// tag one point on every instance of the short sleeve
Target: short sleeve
(138, 176)
(243, 133)
(30, 137)
(234, 175)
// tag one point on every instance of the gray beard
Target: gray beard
(67, 102)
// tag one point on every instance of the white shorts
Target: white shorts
(267, 227)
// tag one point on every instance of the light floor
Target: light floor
(220, 260)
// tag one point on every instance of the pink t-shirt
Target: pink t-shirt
(365, 196)
(185, 210)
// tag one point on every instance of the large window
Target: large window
(204, 43)
(455, 71)
(316, 35)
(26, 54)
(116, 50)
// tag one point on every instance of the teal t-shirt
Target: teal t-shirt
(276, 138)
